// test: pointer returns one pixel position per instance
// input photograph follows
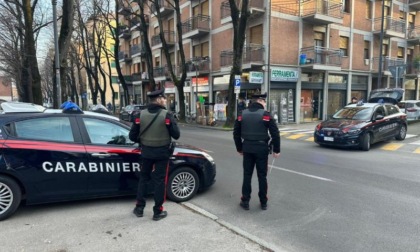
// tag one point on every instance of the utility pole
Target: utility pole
(57, 54)
(381, 38)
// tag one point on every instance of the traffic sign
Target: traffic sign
(237, 81)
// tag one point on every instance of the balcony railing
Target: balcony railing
(390, 24)
(136, 49)
(253, 53)
(199, 64)
(124, 32)
(165, 7)
(198, 22)
(253, 4)
(123, 55)
(226, 58)
(169, 38)
(320, 55)
(332, 8)
(386, 63)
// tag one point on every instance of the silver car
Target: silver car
(411, 108)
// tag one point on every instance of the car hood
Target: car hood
(341, 124)
(181, 147)
(393, 95)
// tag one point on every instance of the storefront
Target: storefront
(171, 94)
(282, 94)
(196, 93)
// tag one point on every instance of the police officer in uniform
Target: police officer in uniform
(155, 141)
(251, 136)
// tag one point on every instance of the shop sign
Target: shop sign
(284, 74)
(256, 77)
(200, 80)
(221, 80)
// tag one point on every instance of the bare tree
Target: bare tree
(64, 42)
(178, 82)
(239, 22)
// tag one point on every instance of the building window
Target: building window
(113, 64)
(116, 94)
(400, 54)
(368, 9)
(366, 50)
(344, 46)
(114, 79)
(346, 6)
(384, 50)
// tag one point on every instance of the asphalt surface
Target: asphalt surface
(187, 227)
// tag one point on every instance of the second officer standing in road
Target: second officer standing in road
(251, 136)
(154, 129)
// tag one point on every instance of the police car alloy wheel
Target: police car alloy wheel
(183, 184)
(402, 133)
(10, 196)
(365, 142)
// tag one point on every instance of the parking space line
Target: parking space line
(392, 146)
(284, 133)
(311, 139)
(417, 150)
(296, 136)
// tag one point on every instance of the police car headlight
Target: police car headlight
(209, 158)
(353, 132)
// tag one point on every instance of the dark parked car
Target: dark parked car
(129, 112)
(362, 124)
(50, 155)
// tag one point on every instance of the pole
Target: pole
(380, 46)
(396, 76)
(268, 58)
(57, 54)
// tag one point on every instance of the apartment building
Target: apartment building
(311, 56)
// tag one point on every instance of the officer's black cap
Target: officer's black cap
(156, 94)
(259, 96)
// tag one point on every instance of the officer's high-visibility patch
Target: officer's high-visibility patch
(167, 121)
(239, 118)
(137, 121)
(266, 118)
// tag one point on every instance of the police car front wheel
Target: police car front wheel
(10, 197)
(183, 184)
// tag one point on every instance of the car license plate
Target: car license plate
(329, 139)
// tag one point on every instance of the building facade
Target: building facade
(310, 56)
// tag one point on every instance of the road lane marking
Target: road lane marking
(300, 173)
(416, 143)
(392, 146)
(296, 136)
(410, 136)
(417, 150)
(311, 139)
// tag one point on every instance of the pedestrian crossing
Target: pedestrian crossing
(392, 145)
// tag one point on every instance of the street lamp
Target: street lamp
(56, 56)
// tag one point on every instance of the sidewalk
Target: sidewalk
(289, 126)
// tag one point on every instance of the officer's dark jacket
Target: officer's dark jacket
(155, 141)
(251, 128)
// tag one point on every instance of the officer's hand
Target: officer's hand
(276, 155)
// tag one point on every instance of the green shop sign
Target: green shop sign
(280, 74)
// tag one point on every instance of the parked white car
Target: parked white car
(411, 108)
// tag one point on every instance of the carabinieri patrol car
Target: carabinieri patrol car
(362, 124)
(51, 155)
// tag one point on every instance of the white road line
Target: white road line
(410, 136)
(300, 173)
(416, 142)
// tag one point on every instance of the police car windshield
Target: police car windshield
(354, 113)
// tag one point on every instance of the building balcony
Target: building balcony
(413, 35)
(128, 79)
(322, 12)
(392, 27)
(136, 50)
(165, 8)
(197, 66)
(124, 32)
(196, 27)
(123, 9)
(253, 56)
(124, 56)
(414, 5)
(320, 58)
(161, 73)
(140, 76)
(386, 63)
(413, 69)
(257, 8)
(135, 22)
(169, 38)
